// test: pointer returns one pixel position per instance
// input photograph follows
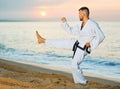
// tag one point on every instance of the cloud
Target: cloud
(57, 8)
(26, 8)
(27, 4)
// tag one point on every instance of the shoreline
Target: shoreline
(32, 67)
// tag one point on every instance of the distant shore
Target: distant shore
(18, 75)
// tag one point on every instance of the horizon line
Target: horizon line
(42, 20)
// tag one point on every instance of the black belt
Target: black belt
(76, 45)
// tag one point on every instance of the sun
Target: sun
(43, 13)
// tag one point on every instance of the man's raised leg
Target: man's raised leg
(56, 43)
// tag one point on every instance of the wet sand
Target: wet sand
(22, 76)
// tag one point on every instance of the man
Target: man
(89, 36)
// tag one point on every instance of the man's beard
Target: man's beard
(81, 19)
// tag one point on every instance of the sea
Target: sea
(18, 43)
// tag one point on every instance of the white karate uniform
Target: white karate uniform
(89, 33)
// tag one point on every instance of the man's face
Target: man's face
(81, 15)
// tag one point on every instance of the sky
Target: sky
(103, 10)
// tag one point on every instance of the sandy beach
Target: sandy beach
(22, 76)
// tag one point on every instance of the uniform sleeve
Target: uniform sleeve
(98, 38)
(71, 30)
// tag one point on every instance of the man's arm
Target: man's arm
(99, 37)
(72, 30)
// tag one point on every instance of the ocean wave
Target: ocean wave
(53, 54)
(110, 63)
(101, 62)
(2, 47)
(98, 64)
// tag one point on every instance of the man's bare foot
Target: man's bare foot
(39, 38)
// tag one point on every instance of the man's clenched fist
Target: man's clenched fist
(63, 19)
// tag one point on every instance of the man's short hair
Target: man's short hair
(86, 10)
